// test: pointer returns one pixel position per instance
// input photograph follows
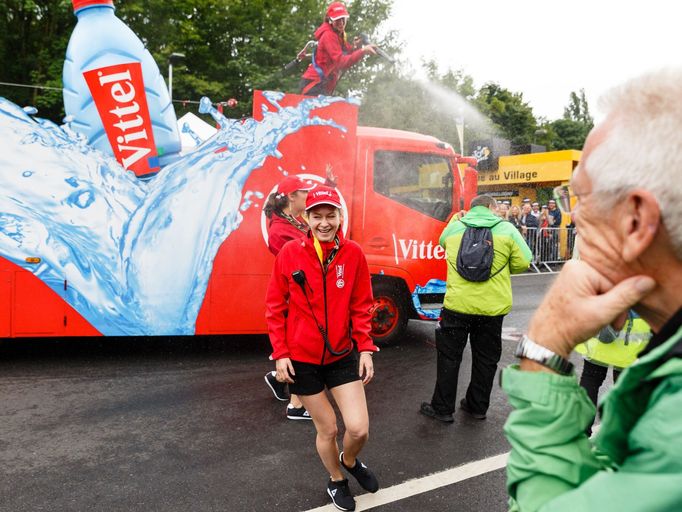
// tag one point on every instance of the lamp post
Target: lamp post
(173, 58)
(540, 132)
(459, 124)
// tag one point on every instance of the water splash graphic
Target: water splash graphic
(186, 129)
(248, 199)
(137, 256)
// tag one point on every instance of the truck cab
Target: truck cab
(411, 187)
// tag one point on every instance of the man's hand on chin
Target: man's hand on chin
(579, 303)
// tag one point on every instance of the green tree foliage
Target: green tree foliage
(511, 116)
(235, 46)
(571, 131)
(569, 134)
(434, 105)
(231, 46)
(33, 39)
(437, 104)
(578, 109)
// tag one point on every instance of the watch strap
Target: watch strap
(528, 349)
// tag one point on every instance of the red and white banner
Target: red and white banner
(118, 92)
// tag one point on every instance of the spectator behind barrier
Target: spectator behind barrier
(514, 216)
(630, 222)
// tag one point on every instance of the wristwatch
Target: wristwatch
(528, 349)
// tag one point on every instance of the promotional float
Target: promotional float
(106, 229)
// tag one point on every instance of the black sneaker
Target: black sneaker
(279, 389)
(340, 494)
(297, 413)
(427, 410)
(362, 474)
(464, 405)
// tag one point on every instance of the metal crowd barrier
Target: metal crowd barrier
(550, 246)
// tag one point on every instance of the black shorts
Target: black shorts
(310, 379)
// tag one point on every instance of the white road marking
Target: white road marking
(511, 334)
(533, 274)
(425, 484)
(429, 483)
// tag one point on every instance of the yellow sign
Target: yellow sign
(516, 176)
(532, 168)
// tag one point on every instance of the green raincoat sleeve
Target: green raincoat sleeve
(553, 466)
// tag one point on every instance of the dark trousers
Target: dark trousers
(316, 90)
(485, 333)
(591, 379)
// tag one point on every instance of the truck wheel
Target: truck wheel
(389, 314)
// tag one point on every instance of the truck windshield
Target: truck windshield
(420, 181)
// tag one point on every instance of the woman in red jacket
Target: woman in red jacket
(285, 208)
(333, 54)
(317, 307)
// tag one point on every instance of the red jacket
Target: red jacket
(332, 55)
(342, 296)
(281, 231)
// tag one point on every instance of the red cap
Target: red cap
(80, 4)
(323, 195)
(337, 10)
(292, 184)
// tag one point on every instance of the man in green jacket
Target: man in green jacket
(629, 215)
(476, 310)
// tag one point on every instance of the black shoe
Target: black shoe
(362, 474)
(465, 407)
(427, 410)
(340, 494)
(297, 413)
(279, 389)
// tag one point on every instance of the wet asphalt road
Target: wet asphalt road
(188, 424)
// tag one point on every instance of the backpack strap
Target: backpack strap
(508, 259)
(322, 78)
(320, 74)
(501, 268)
(497, 272)
(317, 67)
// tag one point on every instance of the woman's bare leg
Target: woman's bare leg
(324, 419)
(352, 404)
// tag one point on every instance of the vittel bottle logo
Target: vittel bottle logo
(416, 250)
(118, 92)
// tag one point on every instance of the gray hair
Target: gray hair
(484, 200)
(643, 143)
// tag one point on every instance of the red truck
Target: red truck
(399, 190)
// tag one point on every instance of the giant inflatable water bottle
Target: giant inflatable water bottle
(115, 93)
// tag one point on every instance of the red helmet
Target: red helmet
(337, 10)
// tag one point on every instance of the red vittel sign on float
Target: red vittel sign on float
(118, 92)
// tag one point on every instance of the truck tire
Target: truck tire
(389, 313)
